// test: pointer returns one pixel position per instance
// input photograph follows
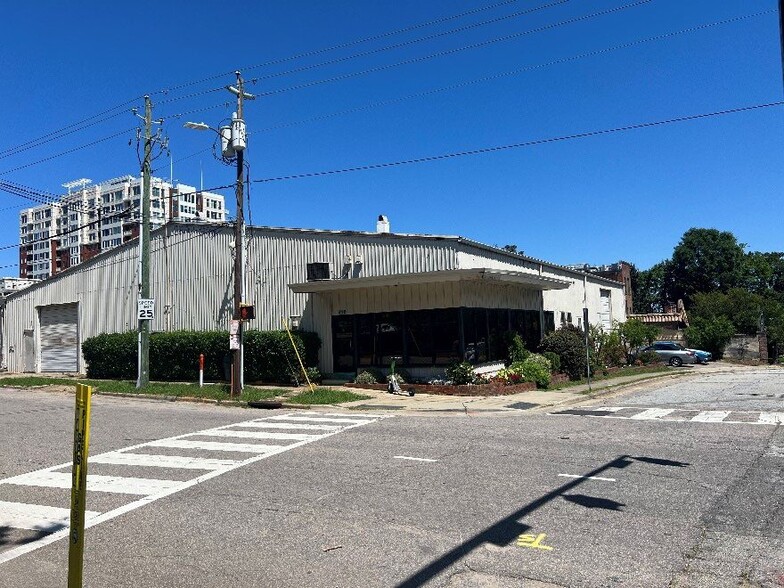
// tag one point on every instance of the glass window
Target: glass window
(365, 340)
(419, 337)
(498, 321)
(343, 343)
(389, 337)
(446, 335)
(475, 333)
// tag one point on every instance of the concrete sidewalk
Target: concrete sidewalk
(532, 400)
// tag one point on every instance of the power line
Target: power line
(530, 143)
(66, 130)
(96, 142)
(78, 125)
(315, 52)
(515, 72)
(453, 51)
(415, 41)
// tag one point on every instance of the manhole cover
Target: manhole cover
(583, 412)
(522, 405)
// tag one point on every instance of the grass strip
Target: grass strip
(326, 396)
(622, 373)
(208, 391)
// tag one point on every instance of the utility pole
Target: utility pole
(239, 141)
(145, 306)
(144, 249)
(233, 139)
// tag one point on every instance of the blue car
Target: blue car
(702, 356)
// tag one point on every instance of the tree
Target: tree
(651, 288)
(706, 260)
(511, 249)
(764, 272)
(710, 334)
(635, 333)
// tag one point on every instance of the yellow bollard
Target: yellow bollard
(79, 485)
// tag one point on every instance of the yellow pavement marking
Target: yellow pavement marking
(534, 541)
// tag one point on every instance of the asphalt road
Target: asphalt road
(645, 488)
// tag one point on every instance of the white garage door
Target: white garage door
(59, 338)
(605, 309)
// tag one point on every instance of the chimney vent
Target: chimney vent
(382, 226)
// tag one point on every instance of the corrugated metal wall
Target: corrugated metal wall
(192, 281)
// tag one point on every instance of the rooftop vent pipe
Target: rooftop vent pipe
(382, 226)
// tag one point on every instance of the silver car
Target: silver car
(673, 353)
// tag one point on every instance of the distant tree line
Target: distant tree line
(725, 289)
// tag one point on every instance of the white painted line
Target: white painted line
(609, 408)
(214, 446)
(162, 461)
(413, 458)
(37, 517)
(284, 417)
(120, 485)
(711, 416)
(587, 477)
(771, 418)
(652, 414)
(292, 426)
(15, 552)
(255, 434)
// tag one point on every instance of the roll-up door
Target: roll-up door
(59, 338)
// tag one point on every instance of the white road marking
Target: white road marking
(306, 419)
(587, 477)
(37, 517)
(292, 426)
(771, 418)
(162, 461)
(711, 416)
(413, 458)
(256, 435)
(117, 484)
(215, 445)
(269, 451)
(652, 414)
(680, 415)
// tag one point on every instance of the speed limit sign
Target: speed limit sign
(145, 309)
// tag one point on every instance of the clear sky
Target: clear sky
(627, 195)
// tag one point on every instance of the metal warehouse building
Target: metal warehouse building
(370, 296)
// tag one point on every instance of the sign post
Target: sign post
(79, 485)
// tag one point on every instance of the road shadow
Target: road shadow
(506, 530)
(13, 537)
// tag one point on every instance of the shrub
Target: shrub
(174, 356)
(536, 371)
(567, 342)
(111, 355)
(403, 376)
(648, 357)
(711, 334)
(555, 361)
(369, 376)
(461, 373)
(516, 348)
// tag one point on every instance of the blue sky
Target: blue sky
(627, 195)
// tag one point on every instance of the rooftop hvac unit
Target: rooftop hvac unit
(318, 271)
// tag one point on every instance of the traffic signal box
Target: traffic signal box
(247, 312)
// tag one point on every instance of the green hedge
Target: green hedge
(269, 356)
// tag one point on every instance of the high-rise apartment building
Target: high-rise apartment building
(95, 217)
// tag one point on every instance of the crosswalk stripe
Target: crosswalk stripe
(150, 490)
(711, 416)
(652, 414)
(36, 517)
(292, 426)
(286, 417)
(162, 461)
(771, 418)
(215, 446)
(256, 435)
(118, 484)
